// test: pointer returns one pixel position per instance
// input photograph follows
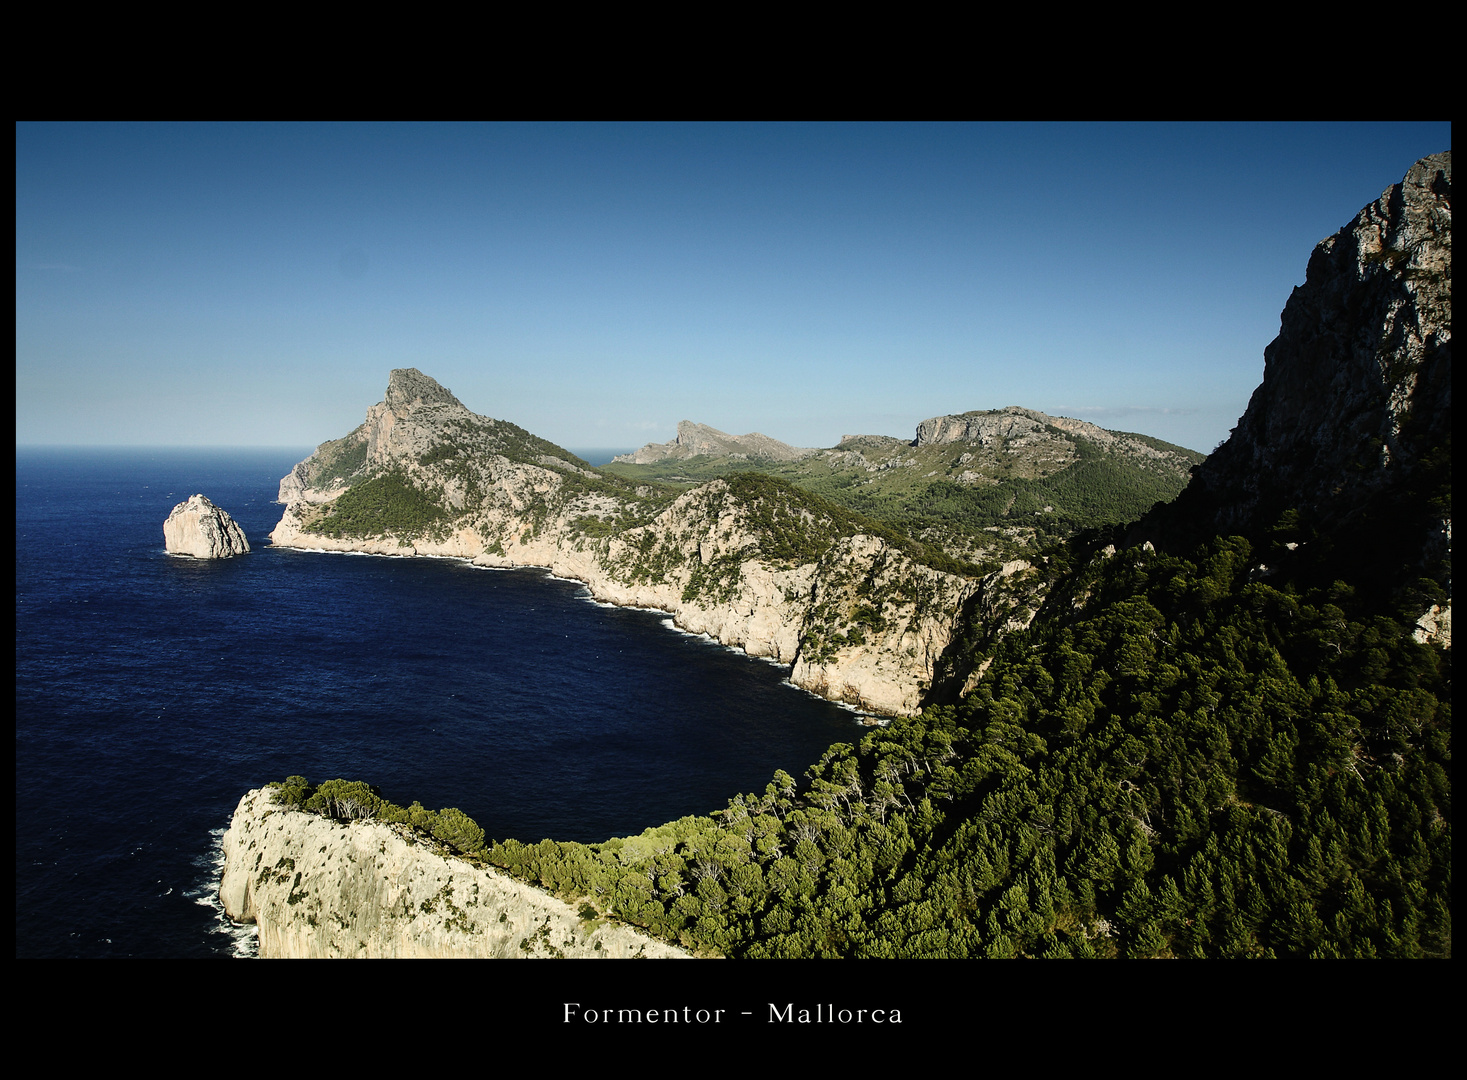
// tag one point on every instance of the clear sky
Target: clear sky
(252, 285)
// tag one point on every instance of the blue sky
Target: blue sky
(252, 285)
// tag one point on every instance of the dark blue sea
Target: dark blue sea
(152, 692)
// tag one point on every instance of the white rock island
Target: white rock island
(198, 528)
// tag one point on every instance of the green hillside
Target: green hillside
(1179, 760)
(974, 505)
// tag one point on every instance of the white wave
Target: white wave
(240, 940)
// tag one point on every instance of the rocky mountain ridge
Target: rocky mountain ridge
(1344, 453)
(693, 440)
(859, 612)
(1188, 752)
(984, 486)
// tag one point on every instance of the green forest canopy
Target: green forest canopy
(1182, 760)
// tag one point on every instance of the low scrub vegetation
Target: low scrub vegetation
(354, 800)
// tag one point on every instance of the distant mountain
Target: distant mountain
(696, 440)
(861, 611)
(993, 484)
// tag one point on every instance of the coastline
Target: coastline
(863, 716)
(770, 615)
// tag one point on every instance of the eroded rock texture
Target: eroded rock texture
(1344, 454)
(322, 888)
(1357, 387)
(198, 528)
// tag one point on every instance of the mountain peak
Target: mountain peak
(407, 387)
(695, 439)
(1357, 386)
(1348, 439)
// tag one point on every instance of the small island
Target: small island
(199, 529)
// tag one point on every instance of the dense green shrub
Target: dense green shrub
(385, 504)
(355, 800)
(1181, 760)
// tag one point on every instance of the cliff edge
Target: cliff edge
(1344, 453)
(754, 563)
(317, 887)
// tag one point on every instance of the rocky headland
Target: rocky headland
(317, 887)
(198, 528)
(861, 613)
(867, 614)
(1216, 738)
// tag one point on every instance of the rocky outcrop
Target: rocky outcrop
(862, 624)
(408, 422)
(1014, 428)
(858, 619)
(1349, 433)
(316, 887)
(1357, 385)
(698, 439)
(198, 528)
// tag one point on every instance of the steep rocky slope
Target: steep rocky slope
(860, 612)
(198, 528)
(1203, 745)
(1344, 454)
(316, 887)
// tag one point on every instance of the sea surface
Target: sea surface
(152, 692)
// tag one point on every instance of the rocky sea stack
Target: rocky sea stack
(198, 528)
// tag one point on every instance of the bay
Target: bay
(152, 692)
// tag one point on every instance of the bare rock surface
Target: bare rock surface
(1350, 429)
(316, 887)
(698, 439)
(1357, 385)
(198, 528)
(701, 558)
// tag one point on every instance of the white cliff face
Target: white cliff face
(198, 528)
(858, 620)
(319, 888)
(863, 625)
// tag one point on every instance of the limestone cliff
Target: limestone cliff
(1357, 385)
(198, 528)
(1350, 430)
(860, 617)
(316, 887)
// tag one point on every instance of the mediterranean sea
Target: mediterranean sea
(152, 692)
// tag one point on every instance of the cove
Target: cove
(152, 692)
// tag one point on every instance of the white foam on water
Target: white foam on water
(241, 940)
